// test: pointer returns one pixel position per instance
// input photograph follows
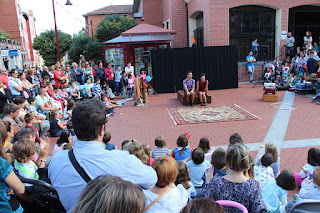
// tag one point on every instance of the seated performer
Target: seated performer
(189, 87)
(202, 89)
(139, 92)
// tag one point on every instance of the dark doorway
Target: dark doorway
(198, 32)
(302, 19)
(170, 66)
(249, 22)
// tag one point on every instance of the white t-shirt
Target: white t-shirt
(263, 173)
(172, 202)
(23, 113)
(129, 69)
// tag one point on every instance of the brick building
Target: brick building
(21, 26)
(234, 22)
(93, 18)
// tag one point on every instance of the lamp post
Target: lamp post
(55, 26)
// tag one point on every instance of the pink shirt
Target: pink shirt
(5, 80)
(63, 94)
(144, 77)
(130, 83)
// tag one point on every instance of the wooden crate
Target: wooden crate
(270, 97)
(182, 98)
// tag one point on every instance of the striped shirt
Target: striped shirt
(160, 152)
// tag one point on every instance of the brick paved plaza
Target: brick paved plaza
(145, 123)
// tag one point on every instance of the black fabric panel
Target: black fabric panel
(170, 66)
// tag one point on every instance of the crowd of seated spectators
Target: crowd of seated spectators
(135, 178)
(90, 174)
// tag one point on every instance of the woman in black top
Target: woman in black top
(100, 73)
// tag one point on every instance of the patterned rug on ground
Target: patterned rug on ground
(194, 115)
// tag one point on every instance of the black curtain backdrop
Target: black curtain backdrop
(170, 67)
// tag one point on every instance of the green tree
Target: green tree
(78, 47)
(3, 34)
(46, 44)
(112, 26)
(94, 50)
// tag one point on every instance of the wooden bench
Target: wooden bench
(182, 98)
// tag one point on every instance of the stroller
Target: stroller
(304, 206)
(45, 197)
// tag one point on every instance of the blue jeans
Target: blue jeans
(124, 92)
(43, 112)
(118, 89)
(130, 92)
(57, 134)
(251, 71)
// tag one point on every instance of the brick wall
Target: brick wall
(96, 19)
(243, 75)
(179, 23)
(152, 12)
(9, 19)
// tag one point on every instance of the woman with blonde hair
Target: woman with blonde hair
(110, 195)
(236, 185)
(165, 197)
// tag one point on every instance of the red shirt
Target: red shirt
(109, 73)
(50, 92)
(57, 76)
(5, 80)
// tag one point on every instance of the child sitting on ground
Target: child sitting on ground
(63, 143)
(160, 149)
(56, 94)
(263, 171)
(74, 92)
(67, 114)
(30, 120)
(86, 91)
(276, 189)
(205, 145)
(109, 106)
(286, 69)
(106, 140)
(218, 162)
(32, 109)
(272, 149)
(147, 150)
(183, 152)
(23, 152)
(136, 149)
(64, 94)
(316, 99)
(73, 134)
(308, 169)
(97, 88)
(310, 189)
(197, 166)
(109, 91)
(183, 178)
(56, 126)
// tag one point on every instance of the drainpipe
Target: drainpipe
(187, 24)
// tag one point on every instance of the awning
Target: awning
(13, 52)
(140, 38)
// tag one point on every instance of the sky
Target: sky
(69, 18)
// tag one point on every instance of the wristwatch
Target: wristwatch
(43, 160)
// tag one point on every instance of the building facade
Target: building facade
(93, 18)
(235, 22)
(21, 27)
